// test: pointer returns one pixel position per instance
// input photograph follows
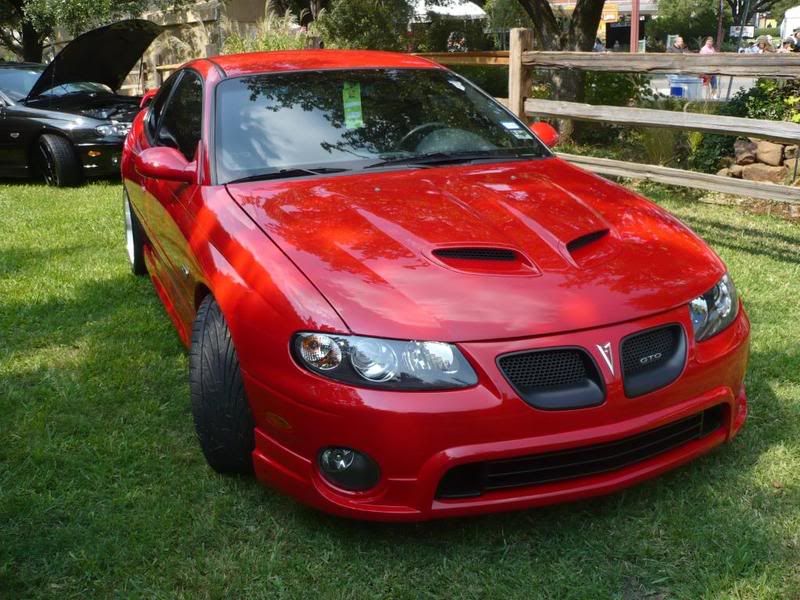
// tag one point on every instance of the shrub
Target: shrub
(432, 36)
(273, 32)
(373, 24)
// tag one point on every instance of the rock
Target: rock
(790, 151)
(792, 166)
(745, 152)
(735, 170)
(761, 172)
(769, 153)
(724, 172)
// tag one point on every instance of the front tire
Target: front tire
(56, 161)
(134, 237)
(222, 416)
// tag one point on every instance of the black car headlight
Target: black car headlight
(383, 363)
(715, 310)
(114, 129)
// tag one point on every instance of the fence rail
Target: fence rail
(722, 63)
(788, 133)
(489, 58)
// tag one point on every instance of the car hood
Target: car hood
(589, 252)
(105, 55)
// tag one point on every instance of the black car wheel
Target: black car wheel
(55, 160)
(221, 413)
(134, 237)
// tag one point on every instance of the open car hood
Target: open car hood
(105, 55)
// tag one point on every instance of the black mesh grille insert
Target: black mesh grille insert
(544, 369)
(476, 478)
(647, 350)
(560, 378)
(652, 359)
(476, 253)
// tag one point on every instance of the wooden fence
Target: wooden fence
(523, 60)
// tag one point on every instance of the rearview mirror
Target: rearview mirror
(545, 132)
(165, 163)
(147, 97)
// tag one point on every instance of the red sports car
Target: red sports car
(400, 305)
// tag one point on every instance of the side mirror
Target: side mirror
(545, 132)
(147, 97)
(165, 163)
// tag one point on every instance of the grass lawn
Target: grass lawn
(104, 491)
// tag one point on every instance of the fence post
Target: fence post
(519, 78)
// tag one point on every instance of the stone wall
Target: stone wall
(760, 160)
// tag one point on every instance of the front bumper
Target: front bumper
(100, 159)
(416, 438)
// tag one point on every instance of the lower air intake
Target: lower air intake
(474, 479)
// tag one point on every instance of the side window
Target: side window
(157, 106)
(179, 126)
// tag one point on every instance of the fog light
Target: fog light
(348, 469)
(94, 153)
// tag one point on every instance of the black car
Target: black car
(65, 121)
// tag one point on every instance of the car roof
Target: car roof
(236, 65)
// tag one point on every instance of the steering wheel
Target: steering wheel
(417, 130)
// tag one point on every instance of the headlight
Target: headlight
(382, 363)
(114, 129)
(715, 310)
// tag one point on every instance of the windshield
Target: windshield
(286, 122)
(17, 82)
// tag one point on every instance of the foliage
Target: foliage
(272, 32)
(692, 19)
(374, 24)
(768, 99)
(491, 79)
(504, 15)
(104, 492)
(432, 36)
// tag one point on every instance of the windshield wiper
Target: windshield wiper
(439, 158)
(289, 173)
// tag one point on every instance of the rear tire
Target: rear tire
(222, 417)
(55, 160)
(134, 237)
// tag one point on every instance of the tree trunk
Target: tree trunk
(32, 43)
(578, 35)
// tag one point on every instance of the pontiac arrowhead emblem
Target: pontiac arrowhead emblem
(605, 352)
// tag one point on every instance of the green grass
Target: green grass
(104, 492)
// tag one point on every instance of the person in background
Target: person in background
(763, 46)
(709, 80)
(598, 46)
(786, 47)
(796, 36)
(678, 46)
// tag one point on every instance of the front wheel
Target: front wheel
(55, 160)
(134, 237)
(220, 409)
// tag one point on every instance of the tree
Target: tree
(25, 25)
(692, 19)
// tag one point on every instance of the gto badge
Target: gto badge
(646, 360)
(605, 352)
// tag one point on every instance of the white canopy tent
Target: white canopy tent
(791, 21)
(453, 9)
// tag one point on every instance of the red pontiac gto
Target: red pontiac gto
(400, 305)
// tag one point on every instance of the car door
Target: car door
(178, 125)
(18, 126)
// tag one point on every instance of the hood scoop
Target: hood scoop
(485, 260)
(590, 247)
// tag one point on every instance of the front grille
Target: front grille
(652, 359)
(476, 253)
(475, 479)
(553, 379)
